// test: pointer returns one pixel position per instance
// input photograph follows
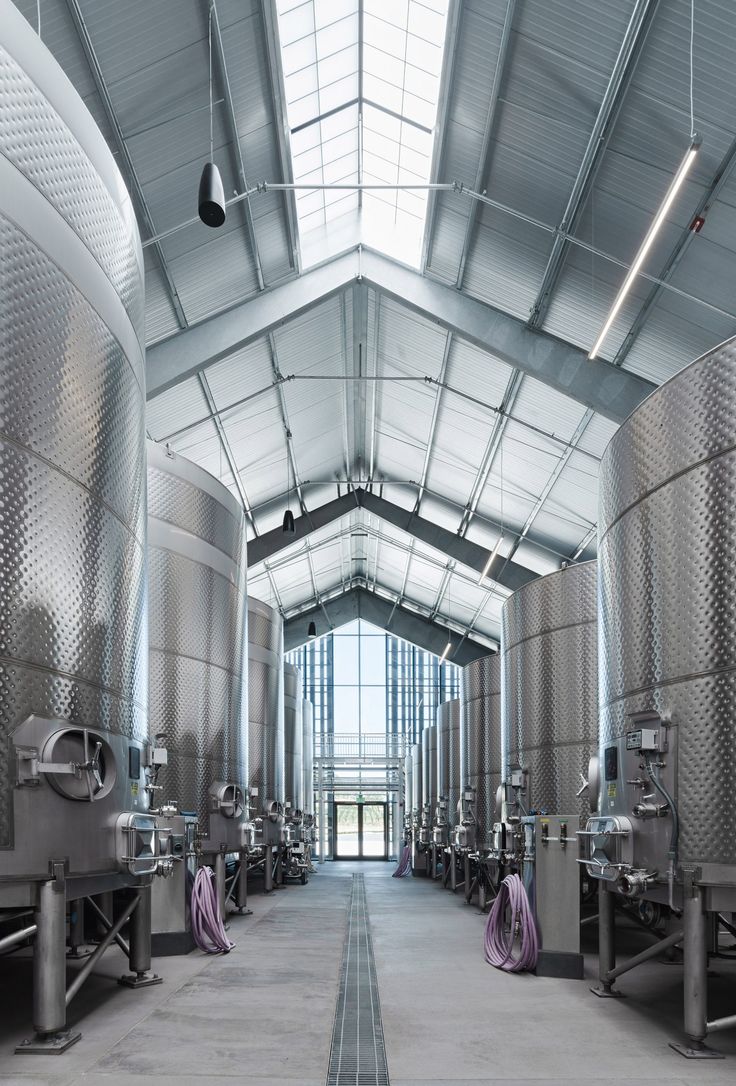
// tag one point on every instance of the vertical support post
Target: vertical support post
(76, 926)
(606, 941)
(268, 870)
(695, 961)
(49, 960)
(453, 869)
(242, 888)
(279, 867)
(220, 883)
(466, 876)
(49, 972)
(139, 949)
(322, 816)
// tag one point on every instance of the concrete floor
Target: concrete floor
(263, 1014)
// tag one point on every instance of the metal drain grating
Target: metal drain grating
(358, 1054)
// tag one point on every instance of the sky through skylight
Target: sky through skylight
(362, 82)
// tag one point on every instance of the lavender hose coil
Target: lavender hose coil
(403, 868)
(207, 926)
(499, 948)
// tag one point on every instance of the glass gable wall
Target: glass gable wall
(372, 694)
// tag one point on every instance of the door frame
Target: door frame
(353, 803)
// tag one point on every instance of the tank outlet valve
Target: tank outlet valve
(634, 883)
(651, 810)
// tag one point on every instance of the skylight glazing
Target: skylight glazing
(362, 82)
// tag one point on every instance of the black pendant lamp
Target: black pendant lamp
(211, 196)
(288, 526)
(312, 630)
(211, 193)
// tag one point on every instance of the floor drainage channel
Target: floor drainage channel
(358, 1053)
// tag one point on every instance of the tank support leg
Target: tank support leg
(242, 889)
(49, 975)
(76, 928)
(695, 979)
(139, 945)
(268, 870)
(105, 903)
(279, 868)
(220, 883)
(606, 943)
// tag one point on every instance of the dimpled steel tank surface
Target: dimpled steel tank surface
(308, 756)
(72, 444)
(197, 615)
(73, 664)
(293, 738)
(549, 647)
(668, 627)
(480, 739)
(448, 765)
(265, 703)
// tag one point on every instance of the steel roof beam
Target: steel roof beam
(613, 98)
(181, 356)
(358, 602)
(607, 389)
(143, 213)
(440, 539)
(454, 21)
(484, 163)
(268, 544)
(232, 127)
(594, 382)
(269, 18)
(433, 423)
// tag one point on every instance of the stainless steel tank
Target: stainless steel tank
(668, 602)
(443, 749)
(74, 674)
(549, 649)
(293, 739)
(197, 630)
(308, 756)
(453, 762)
(265, 705)
(666, 829)
(429, 770)
(481, 740)
(416, 781)
(74, 753)
(448, 756)
(408, 787)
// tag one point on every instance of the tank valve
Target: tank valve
(651, 810)
(634, 883)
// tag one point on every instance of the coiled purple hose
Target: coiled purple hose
(499, 949)
(403, 868)
(207, 926)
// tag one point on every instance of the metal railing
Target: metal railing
(360, 747)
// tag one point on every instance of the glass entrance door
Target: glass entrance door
(361, 831)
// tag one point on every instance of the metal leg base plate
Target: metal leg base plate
(49, 1044)
(77, 953)
(694, 1051)
(139, 980)
(243, 911)
(607, 993)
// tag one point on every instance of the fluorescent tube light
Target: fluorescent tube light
(646, 245)
(491, 556)
(444, 655)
